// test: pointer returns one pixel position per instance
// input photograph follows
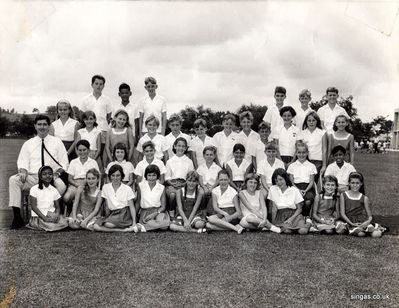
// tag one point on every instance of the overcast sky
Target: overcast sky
(219, 54)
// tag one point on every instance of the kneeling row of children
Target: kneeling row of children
(231, 210)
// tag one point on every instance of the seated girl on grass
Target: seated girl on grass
(287, 202)
(189, 200)
(253, 206)
(226, 206)
(45, 202)
(151, 202)
(87, 202)
(355, 210)
(326, 206)
(120, 213)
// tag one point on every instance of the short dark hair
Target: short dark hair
(97, 77)
(148, 144)
(264, 125)
(239, 146)
(337, 149)
(152, 169)
(223, 171)
(209, 148)
(84, 143)
(332, 89)
(281, 172)
(287, 108)
(175, 143)
(124, 86)
(280, 89)
(119, 146)
(115, 168)
(41, 117)
(199, 122)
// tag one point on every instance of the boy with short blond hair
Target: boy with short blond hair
(175, 122)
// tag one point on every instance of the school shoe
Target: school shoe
(370, 228)
(313, 229)
(141, 228)
(273, 228)
(240, 229)
(17, 224)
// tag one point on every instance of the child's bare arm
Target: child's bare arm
(342, 211)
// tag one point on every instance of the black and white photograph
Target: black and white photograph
(199, 153)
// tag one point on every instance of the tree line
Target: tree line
(21, 125)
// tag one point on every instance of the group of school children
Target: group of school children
(295, 175)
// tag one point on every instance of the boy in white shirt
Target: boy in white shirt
(152, 104)
(272, 115)
(175, 122)
(226, 139)
(259, 146)
(152, 125)
(199, 142)
(331, 110)
(247, 137)
(340, 168)
(304, 97)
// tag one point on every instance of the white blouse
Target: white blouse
(150, 198)
(224, 200)
(44, 198)
(117, 199)
(65, 131)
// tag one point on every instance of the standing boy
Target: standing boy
(100, 105)
(331, 110)
(272, 115)
(301, 113)
(152, 104)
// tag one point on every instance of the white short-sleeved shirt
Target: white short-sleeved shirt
(209, 175)
(286, 140)
(140, 168)
(44, 198)
(170, 139)
(30, 156)
(101, 107)
(248, 142)
(254, 203)
(302, 171)
(314, 141)
(158, 141)
(153, 107)
(90, 136)
(224, 145)
(238, 172)
(300, 116)
(265, 169)
(197, 146)
(132, 110)
(150, 198)
(259, 147)
(288, 199)
(117, 199)
(178, 167)
(273, 117)
(65, 131)
(79, 170)
(328, 115)
(127, 167)
(224, 200)
(342, 174)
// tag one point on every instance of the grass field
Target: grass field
(85, 269)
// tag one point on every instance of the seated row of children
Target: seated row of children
(231, 210)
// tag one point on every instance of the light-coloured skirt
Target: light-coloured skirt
(36, 223)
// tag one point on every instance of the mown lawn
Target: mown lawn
(84, 269)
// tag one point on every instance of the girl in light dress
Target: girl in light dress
(120, 213)
(87, 202)
(151, 202)
(287, 202)
(91, 133)
(45, 202)
(225, 205)
(65, 127)
(253, 206)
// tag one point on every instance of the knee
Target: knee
(329, 231)
(361, 234)
(59, 184)
(74, 225)
(376, 234)
(109, 225)
(303, 231)
(199, 224)
(287, 231)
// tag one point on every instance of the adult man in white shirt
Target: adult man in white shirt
(152, 104)
(331, 110)
(100, 105)
(38, 151)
